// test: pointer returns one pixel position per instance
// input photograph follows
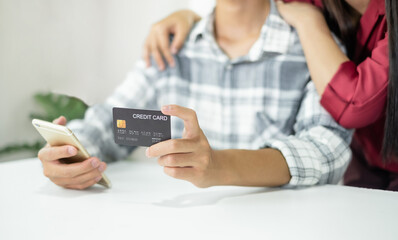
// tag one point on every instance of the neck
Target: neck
(359, 5)
(236, 18)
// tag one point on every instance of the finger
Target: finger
(55, 153)
(82, 185)
(179, 38)
(83, 178)
(71, 170)
(184, 173)
(157, 56)
(60, 121)
(177, 160)
(164, 45)
(171, 146)
(188, 115)
(146, 55)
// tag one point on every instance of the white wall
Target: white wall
(79, 47)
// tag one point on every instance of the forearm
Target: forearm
(323, 54)
(264, 167)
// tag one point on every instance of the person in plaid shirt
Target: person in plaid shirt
(244, 110)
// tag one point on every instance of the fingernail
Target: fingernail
(174, 50)
(98, 178)
(95, 163)
(147, 152)
(101, 168)
(72, 151)
(166, 108)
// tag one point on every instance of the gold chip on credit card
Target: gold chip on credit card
(121, 123)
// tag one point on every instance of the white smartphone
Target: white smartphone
(58, 135)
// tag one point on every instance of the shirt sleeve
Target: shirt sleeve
(356, 95)
(95, 131)
(318, 152)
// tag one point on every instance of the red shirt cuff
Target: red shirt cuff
(339, 92)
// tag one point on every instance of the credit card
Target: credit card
(139, 127)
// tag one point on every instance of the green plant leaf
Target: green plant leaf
(18, 147)
(55, 105)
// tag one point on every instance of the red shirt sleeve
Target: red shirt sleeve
(356, 95)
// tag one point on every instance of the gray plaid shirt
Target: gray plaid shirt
(263, 99)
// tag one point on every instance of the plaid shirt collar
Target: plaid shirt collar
(275, 35)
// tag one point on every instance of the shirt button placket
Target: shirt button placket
(227, 100)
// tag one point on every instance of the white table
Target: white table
(144, 203)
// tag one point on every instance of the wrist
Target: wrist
(191, 16)
(221, 168)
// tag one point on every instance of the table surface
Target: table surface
(144, 203)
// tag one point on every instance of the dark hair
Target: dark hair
(390, 143)
(343, 21)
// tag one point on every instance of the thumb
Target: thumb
(189, 117)
(60, 121)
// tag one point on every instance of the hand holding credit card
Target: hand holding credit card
(190, 157)
(138, 127)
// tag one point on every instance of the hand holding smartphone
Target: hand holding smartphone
(58, 135)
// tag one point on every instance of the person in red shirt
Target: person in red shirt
(359, 88)
(354, 86)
